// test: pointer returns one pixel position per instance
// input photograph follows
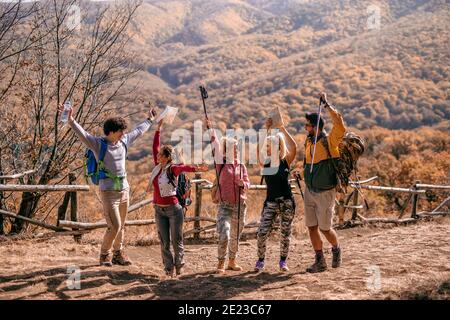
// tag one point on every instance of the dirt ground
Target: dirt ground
(408, 262)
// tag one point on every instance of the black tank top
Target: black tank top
(278, 184)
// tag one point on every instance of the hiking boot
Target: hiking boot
(232, 265)
(105, 260)
(169, 273)
(121, 259)
(221, 266)
(283, 266)
(337, 257)
(259, 266)
(179, 270)
(319, 266)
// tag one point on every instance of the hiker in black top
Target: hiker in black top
(278, 184)
(279, 200)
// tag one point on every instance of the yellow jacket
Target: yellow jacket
(323, 175)
(334, 139)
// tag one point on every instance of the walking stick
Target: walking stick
(316, 134)
(239, 202)
(298, 179)
(204, 95)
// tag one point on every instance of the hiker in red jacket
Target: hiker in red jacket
(169, 214)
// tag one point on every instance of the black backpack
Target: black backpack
(183, 187)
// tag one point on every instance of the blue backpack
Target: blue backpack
(96, 170)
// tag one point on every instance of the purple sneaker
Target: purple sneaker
(259, 266)
(283, 266)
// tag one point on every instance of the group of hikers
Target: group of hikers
(232, 186)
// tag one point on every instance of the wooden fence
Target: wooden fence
(76, 228)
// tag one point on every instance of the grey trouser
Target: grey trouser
(169, 221)
(227, 228)
(115, 208)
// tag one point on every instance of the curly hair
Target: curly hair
(114, 125)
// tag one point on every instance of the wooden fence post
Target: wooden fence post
(340, 208)
(198, 206)
(2, 231)
(62, 209)
(415, 199)
(355, 203)
(74, 206)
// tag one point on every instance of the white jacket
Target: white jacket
(166, 189)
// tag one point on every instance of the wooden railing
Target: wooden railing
(70, 196)
(76, 228)
(414, 191)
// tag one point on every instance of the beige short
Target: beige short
(319, 208)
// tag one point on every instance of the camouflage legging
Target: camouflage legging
(286, 210)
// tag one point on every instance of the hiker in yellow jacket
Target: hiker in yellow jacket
(321, 184)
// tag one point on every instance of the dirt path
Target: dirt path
(412, 261)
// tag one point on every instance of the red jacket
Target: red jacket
(176, 169)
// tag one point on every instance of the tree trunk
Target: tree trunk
(2, 231)
(27, 209)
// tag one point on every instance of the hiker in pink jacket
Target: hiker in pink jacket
(233, 181)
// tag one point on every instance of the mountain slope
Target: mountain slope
(253, 55)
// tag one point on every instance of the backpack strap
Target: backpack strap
(220, 170)
(101, 156)
(125, 146)
(101, 165)
(103, 148)
(171, 176)
(304, 156)
(326, 145)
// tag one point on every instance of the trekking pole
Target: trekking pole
(204, 95)
(316, 134)
(298, 179)
(239, 199)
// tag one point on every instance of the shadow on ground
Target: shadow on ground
(134, 285)
(55, 281)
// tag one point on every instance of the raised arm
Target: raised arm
(291, 146)
(179, 168)
(215, 145)
(262, 143)
(86, 138)
(132, 136)
(156, 145)
(338, 130)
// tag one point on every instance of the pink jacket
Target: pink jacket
(230, 174)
